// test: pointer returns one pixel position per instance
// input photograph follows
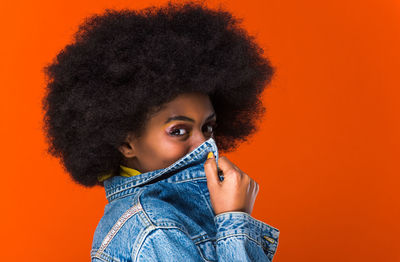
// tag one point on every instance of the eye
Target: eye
(209, 128)
(178, 132)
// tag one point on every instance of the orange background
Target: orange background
(326, 155)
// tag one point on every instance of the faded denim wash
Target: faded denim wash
(166, 215)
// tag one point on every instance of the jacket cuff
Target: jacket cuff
(230, 224)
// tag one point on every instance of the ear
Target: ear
(127, 148)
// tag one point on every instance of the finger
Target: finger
(210, 168)
(253, 186)
(227, 167)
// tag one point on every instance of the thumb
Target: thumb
(210, 168)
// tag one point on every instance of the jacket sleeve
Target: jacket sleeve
(239, 237)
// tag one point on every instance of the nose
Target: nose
(197, 139)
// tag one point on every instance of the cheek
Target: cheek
(171, 151)
(162, 151)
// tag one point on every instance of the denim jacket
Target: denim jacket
(166, 215)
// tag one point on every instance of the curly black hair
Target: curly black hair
(123, 65)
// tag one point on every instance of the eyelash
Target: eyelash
(186, 129)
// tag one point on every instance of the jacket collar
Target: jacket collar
(118, 186)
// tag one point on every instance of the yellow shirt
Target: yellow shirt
(124, 171)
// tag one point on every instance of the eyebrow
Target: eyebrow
(185, 118)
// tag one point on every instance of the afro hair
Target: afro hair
(124, 64)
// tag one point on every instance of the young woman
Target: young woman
(140, 103)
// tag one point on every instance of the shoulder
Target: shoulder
(128, 221)
(118, 230)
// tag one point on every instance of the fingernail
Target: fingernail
(210, 155)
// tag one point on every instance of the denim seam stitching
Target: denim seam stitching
(249, 219)
(186, 233)
(117, 226)
(149, 226)
(205, 200)
(137, 199)
(205, 240)
(140, 240)
(147, 231)
(154, 228)
(200, 236)
(245, 235)
(201, 254)
(103, 256)
(189, 179)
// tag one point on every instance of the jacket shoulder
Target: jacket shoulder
(117, 233)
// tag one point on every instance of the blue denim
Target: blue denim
(166, 215)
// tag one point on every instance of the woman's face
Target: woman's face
(178, 128)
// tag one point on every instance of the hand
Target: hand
(237, 192)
